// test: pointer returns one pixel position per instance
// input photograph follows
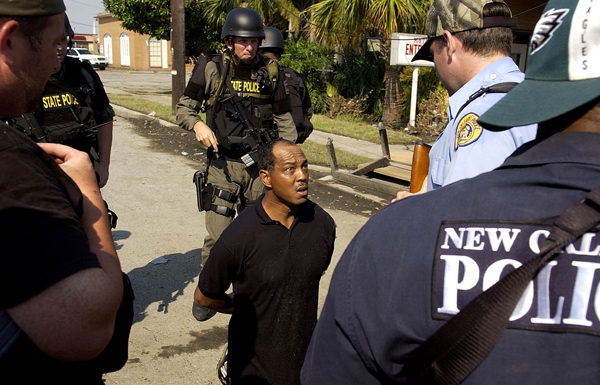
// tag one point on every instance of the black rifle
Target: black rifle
(255, 138)
(29, 124)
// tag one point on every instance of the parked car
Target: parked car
(86, 56)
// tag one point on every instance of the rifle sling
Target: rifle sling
(459, 346)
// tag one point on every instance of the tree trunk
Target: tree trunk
(392, 107)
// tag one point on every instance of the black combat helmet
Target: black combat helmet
(68, 30)
(243, 22)
(273, 40)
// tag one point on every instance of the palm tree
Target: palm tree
(345, 23)
(216, 10)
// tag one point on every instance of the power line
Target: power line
(89, 5)
(86, 25)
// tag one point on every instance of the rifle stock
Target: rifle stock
(420, 166)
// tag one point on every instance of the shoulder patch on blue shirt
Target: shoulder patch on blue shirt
(563, 297)
(467, 131)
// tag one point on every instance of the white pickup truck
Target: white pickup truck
(86, 56)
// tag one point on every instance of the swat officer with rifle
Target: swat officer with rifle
(74, 110)
(247, 105)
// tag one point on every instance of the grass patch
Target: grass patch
(357, 129)
(315, 153)
(144, 106)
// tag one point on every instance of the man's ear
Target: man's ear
(452, 44)
(265, 177)
(7, 35)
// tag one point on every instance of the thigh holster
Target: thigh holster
(228, 196)
(206, 194)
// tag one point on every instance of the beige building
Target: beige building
(128, 49)
(87, 41)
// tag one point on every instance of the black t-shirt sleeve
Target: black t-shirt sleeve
(42, 238)
(220, 270)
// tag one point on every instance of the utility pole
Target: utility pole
(178, 50)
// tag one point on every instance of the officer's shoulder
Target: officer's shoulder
(289, 71)
(72, 62)
(265, 60)
(76, 63)
(214, 62)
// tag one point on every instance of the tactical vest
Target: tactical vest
(253, 86)
(65, 115)
(300, 101)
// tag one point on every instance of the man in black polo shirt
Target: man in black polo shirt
(274, 254)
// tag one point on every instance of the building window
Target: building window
(125, 56)
(155, 53)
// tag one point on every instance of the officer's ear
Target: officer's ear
(451, 43)
(265, 177)
(8, 32)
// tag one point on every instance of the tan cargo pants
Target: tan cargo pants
(237, 179)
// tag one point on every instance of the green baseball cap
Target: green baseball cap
(457, 16)
(563, 67)
(29, 8)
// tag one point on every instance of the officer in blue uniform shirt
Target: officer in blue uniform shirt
(396, 285)
(471, 50)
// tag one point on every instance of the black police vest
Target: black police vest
(253, 86)
(67, 116)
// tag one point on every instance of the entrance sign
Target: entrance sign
(404, 47)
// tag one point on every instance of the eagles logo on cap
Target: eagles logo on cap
(468, 131)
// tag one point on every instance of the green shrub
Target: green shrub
(315, 62)
(356, 77)
(360, 77)
(432, 100)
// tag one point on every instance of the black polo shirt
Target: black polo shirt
(275, 274)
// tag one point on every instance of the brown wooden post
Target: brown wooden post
(332, 158)
(385, 146)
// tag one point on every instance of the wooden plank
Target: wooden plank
(332, 158)
(403, 157)
(401, 173)
(385, 146)
(371, 184)
(381, 162)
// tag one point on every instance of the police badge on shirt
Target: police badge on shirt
(564, 296)
(467, 131)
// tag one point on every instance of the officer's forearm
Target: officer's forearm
(187, 114)
(286, 126)
(105, 138)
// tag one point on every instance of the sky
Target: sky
(81, 14)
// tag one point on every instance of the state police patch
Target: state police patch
(467, 131)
